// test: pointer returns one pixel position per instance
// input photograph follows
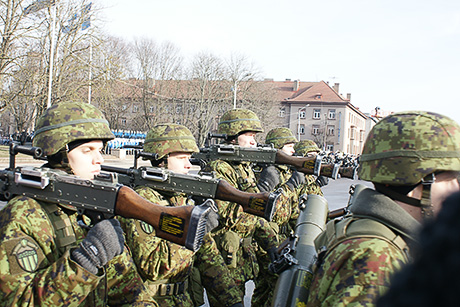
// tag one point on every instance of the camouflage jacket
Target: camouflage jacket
(33, 272)
(162, 262)
(357, 270)
(246, 226)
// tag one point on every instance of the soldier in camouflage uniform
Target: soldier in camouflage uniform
(239, 234)
(312, 184)
(272, 177)
(166, 266)
(46, 258)
(413, 160)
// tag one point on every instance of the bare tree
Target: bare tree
(157, 65)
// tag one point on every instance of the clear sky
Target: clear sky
(394, 54)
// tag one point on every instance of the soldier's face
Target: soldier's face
(179, 162)
(446, 183)
(86, 159)
(288, 149)
(247, 139)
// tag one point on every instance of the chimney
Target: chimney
(348, 96)
(296, 86)
(336, 87)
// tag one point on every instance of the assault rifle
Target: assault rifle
(260, 204)
(103, 198)
(270, 155)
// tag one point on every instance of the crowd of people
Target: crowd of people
(375, 254)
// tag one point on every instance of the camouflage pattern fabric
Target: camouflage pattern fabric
(167, 138)
(158, 261)
(356, 268)
(404, 147)
(247, 227)
(66, 122)
(162, 262)
(304, 147)
(355, 273)
(280, 137)
(236, 121)
(32, 271)
(265, 282)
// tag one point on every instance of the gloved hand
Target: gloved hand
(103, 242)
(213, 220)
(269, 179)
(213, 215)
(322, 181)
(273, 254)
(297, 178)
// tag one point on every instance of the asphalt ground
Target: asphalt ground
(336, 192)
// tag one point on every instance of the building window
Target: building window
(123, 121)
(302, 129)
(124, 107)
(282, 112)
(330, 147)
(315, 130)
(331, 114)
(317, 114)
(352, 133)
(302, 114)
(135, 109)
(361, 136)
(330, 130)
(151, 109)
(179, 109)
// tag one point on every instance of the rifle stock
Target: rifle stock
(103, 198)
(260, 204)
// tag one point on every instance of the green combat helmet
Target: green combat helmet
(65, 122)
(407, 148)
(280, 137)
(236, 121)
(302, 148)
(164, 139)
(404, 147)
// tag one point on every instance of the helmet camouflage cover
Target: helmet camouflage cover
(280, 137)
(236, 121)
(404, 147)
(164, 139)
(65, 122)
(302, 148)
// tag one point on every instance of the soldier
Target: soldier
(413, 160)
(237, 230)
(313, 184)
(46, 258)
(165, 266)
(271, 177)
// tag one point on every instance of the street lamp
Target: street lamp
(235, 88)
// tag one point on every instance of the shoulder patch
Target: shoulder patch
(25, 255)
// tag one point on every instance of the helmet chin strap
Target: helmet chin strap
(424, 203)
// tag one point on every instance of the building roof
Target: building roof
(301, 91)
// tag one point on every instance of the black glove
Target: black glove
(273, 254)
(322, 181)
(297, 178)
(269, 179)
(103, 242)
